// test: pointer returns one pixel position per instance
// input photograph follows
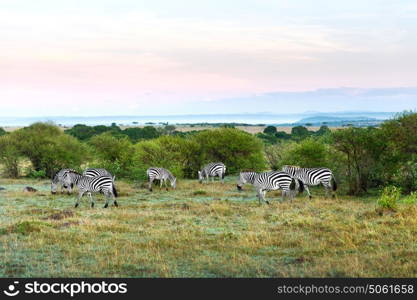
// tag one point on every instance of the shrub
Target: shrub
(9, 155)
(270, 130)
(179, 155)
(410, 199)
(2, 131)
(36, 174)
(237, 149)
(112, 153)
(390, 197)
(48, 148)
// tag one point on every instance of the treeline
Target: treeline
(49, 149)
(361, 158)
(271, 135)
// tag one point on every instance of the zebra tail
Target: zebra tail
(334, 184)
(115, 192)
(301, 188)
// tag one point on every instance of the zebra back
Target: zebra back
(160, 173)
(95, 172)
(213, 169)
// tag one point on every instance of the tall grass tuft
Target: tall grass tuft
(390, 197)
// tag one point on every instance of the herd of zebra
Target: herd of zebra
(290, 180)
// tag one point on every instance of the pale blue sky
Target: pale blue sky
(103, 57)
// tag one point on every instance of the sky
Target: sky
(134, 57)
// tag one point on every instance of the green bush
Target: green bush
(237, 149)
(170, 152)
(410, 199)
(9, 155)
(390, 197)
(36, 174)
(48, 148)
(112, 153)
(2, 131)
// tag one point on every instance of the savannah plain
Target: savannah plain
(201, 230)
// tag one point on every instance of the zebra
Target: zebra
(103, 184)
(162, 175)
(276, 180)
(58, 179)
(313, 177)
(95, 172)
(246, 177)
(212, 170)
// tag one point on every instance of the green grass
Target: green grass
(208, 230)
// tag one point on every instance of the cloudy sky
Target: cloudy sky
(104, 57)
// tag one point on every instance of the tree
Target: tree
(237, 149)
(2, 131)
(9, 155)
(299, 132)
(401, 158)
(323, 131)
(270, 130)
(363, 148)
(283, 135)
(48, 148)
(170, 152)
(113, 153)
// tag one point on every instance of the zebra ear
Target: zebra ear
(114, 178)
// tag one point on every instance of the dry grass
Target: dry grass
(217, 232)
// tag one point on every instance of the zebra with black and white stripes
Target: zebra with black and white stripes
(58, 180)
(99, 184)
(95, 172)
(212, 170)
(162, 175)
(313, 177)
(276, 180)
(246, 178)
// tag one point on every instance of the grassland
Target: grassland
(201, 231)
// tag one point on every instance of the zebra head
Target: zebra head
(54, 186)
(54, 183)
(174, 182)
(241, 181)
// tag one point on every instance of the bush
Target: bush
(390, 197)
(237, 149)
(48, 148)
(36, 174)
(112, 153)
(410, 199)
(2, 131)
(179, 155)
(270, 130)
(10, 155)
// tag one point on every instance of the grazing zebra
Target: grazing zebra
(95, 172)
(276, 180)
(212, 170)
(103, 184)
(246, 177)
(312, 177)
(58, 179)
(162, 175)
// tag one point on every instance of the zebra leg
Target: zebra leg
(91, 200)
(308, 191)
(106, 194)
(263, 197)
(165, 184)
(150, 184)
(80, 195)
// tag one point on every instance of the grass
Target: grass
(208, 230)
